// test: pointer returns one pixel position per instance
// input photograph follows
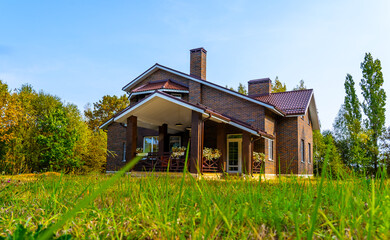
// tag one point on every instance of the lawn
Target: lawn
(175, 207)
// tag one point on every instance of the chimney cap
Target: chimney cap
(198, 50)
(261, 80)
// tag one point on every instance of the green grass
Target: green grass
(165, 207)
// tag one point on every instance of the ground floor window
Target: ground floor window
(309, 159)
(151, 144)
(174, 141)
(302, 150)
(270, 149)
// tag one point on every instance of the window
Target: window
(174, 141)
(178, 95)
(232, 136)
(270, 149)
(302, 150)
(124, 152)
(309, 159)
(151, 144)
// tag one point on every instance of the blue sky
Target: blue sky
(82, 50)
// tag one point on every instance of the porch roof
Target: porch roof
(159, 108)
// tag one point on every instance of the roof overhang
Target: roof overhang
(312, 109)
(159, 108)
(156, 67)
(161, 90)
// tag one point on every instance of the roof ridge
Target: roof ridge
(310, 89)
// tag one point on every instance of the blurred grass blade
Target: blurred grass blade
(88, 199)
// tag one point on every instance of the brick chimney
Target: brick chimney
(198, 63)
(261, 86)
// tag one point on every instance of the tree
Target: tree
(242, 89)
(278, 86)
(104, 109)
(321, 144)
(56, 141)
(9, 112)
(385, 147)
(373, 104)
(230, 88)
(350, 138)
(301, 86)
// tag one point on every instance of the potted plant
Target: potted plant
(258, 157)
(178, 152)
(211, 154)
(140, 152)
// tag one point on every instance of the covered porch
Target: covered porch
(161, 127)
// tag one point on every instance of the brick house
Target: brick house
(169, 108)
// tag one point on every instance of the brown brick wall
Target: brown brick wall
(163, 75)
(270, 127)
(305, 132)
(259, 86)
(195, 94)
(116, 136)
(287, 147)
(198, 63)
(233, 106)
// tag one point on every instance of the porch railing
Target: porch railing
(156, 163)
(258, 167)
(211, 166)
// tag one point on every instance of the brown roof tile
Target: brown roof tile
(163, 84)
(291, 102)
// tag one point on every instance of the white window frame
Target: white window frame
(124, 152)
(239, 141)
(152, 142)
(302, 150)
(270, 149)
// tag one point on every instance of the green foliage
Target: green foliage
(385, 147)
(373, 104)
(242, 89)
(278, 86)
(22, 233)
(104, 109)
(349, 135)
(165, 207)
(48, 135)
(321, 144)
(56, 141)
(301, 86)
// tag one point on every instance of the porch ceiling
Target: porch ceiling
(159, 108)
(153, 113)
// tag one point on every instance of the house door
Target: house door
(234, 143)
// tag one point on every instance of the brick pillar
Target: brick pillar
(196, 142)
(221, 144)
(131, 137)
(246, 153)
(162, 138)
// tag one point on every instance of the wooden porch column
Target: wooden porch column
(221, 144)
(131, 138)
(246, 153)
(162, 138)
(196, 142)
